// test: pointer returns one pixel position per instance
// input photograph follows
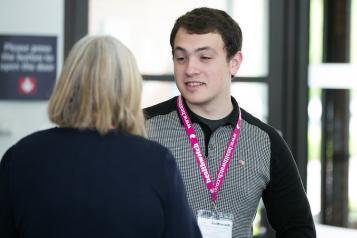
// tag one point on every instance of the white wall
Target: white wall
(324, 231)
(28, 17)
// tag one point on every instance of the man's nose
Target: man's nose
(192, 67)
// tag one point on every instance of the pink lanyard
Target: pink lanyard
(212, 186)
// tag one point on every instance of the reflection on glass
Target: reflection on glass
(353, 124)
(252, 97)
(352, 191)
(354, 31)
(343, 80)
(157, 91)
(314, 155)
(252, 17)
(145, 26)
(314, 151)
(314, 111)
(316, 31)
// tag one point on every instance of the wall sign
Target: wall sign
(27, 67)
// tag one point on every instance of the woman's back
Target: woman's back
(65, 182)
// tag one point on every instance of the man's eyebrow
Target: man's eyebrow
(178, 48)
(205, 48)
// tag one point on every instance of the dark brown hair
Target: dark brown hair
(206, 20)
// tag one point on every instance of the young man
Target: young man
(228, 158)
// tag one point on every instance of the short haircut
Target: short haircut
(207, 20)
(99, 88)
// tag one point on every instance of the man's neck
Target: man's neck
(212, 111)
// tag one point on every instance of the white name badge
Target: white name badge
(215, 224)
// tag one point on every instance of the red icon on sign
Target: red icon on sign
(27, 85)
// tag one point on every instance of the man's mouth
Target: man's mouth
(194, 84)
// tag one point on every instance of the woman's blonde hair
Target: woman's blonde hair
(99, 88)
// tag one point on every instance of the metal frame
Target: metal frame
(288, 62)
(75, 22)
(335, 118)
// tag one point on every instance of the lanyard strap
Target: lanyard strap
(212, 186)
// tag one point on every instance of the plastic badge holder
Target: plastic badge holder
(214, 224)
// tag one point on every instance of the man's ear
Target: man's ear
(235, 62)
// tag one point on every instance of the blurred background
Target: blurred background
(299, 74)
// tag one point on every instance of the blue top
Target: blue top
(65, 182)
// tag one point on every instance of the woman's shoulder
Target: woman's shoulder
(36, 135)
(145, 144)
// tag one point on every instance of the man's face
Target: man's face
(202, 71)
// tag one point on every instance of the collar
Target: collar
(231, 119)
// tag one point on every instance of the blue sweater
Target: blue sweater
(65, 182)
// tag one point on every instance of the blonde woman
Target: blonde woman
(94, 175)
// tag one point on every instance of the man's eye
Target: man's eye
(180, 59)
(206, 57)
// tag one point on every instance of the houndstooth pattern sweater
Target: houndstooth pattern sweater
(261, 167)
